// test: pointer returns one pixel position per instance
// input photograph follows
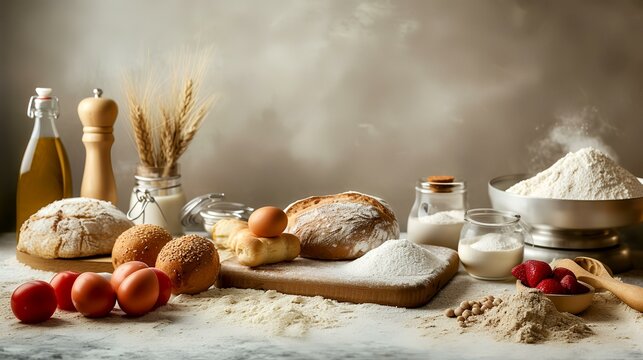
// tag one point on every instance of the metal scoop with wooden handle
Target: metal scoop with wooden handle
(631, 295)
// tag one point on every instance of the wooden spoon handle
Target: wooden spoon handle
(631, 295)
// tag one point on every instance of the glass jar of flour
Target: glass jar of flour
(437, 214)
(157, 198)
(492, 242)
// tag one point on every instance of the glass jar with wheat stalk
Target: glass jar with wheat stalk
(163, 126)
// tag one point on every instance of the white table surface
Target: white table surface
(365, 337)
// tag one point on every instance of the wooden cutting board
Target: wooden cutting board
(95, 264)
(324, 278)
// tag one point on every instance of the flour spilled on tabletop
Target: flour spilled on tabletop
(272, 313)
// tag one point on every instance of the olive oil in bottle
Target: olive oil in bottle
(45, 175)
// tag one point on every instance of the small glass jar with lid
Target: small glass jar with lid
(437, 215)
(202, 212)
(492, 242)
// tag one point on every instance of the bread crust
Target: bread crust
(341, 227)
(140, 243)
(72, 228)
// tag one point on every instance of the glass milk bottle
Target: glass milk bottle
(45, 175)
(157, 199)
(437, 215)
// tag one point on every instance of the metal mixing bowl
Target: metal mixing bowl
(556, 214)
(570, 228)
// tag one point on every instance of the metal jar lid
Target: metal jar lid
(191, 212)
(225, 210)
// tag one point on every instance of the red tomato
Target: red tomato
(33, 302)
(165, 287)
(62, 284)
(125, 270)
(93, 295)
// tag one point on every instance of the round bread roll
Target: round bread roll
(191, 262)
(341, 227)
(140, 243)
(72, 228)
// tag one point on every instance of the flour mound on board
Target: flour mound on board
(587, 174)
(396, 258)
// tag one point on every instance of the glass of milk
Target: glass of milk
(491, 243)
(437, 215)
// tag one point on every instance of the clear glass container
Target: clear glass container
(204, 211)
(492, 242)
(437, 215)
(45, 175)
(157, 199)
(191, 218)
(224, 210)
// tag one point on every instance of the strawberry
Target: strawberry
(560, 272)
(572, 286)
(519, 273)
(536, 271)
(551, 286)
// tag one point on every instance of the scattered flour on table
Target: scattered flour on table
(280, 314)
(395, 258)
(529, 317)
(586, 174)
(448, 217)
(496, 242)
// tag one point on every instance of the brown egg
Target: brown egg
(268, 221)
(92, 295)
(138, 293)
(125, 270)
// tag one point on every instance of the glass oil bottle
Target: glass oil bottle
(45, 175)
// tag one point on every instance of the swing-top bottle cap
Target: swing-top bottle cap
(43, 102)
(43, 93)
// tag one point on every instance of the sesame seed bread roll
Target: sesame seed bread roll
(191, 262)
(140, 243)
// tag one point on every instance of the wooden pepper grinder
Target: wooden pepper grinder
(98, 116)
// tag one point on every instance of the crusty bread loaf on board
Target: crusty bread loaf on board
(341, 227)
(71, 228)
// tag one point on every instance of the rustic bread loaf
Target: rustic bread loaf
(71, 228)
(341, 227)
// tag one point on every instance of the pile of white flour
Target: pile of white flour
(586, 174)
(395, 258)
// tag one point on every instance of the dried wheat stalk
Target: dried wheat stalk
(161, 140)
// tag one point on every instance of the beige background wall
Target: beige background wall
(325, 96)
